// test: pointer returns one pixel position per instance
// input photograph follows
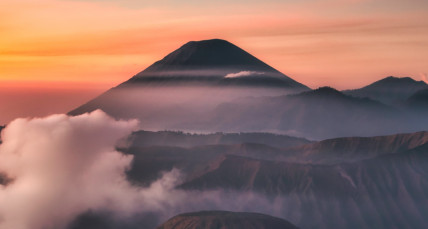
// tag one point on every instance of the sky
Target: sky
(57, 54)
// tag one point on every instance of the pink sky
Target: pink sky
(85, 47)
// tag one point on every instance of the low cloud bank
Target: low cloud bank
(62, 167)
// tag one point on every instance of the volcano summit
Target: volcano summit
(213, 62)
(214, 86)
(181, 91)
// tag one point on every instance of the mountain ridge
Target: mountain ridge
(349, 149)
(418, 101)
(389, 90)
(225, 220)
(318, 114)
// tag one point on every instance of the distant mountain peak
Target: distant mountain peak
(327, 90)
(324, 91)
(396, 81)
(215, 53)
(389, 90)
(210, 41)
(217, 43)
(213, 62)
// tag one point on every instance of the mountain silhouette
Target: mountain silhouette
(215, 86)
(208, 53)
(352, 149)
(418, 101)
(183, 88)
(318, 114)
(212, 62)
(390, 90)
(324, 91)
(329, 93)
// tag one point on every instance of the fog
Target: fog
(187, 108)
(64, 171)
(61, 167)
(319, 114)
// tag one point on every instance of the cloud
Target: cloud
(62, 167)
(242, 74)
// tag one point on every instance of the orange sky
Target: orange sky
(92, 45)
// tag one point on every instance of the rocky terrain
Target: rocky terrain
(225, 220)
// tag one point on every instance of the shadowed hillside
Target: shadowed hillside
(180, 139)
(390, 90)
(318, 114)
(348, 183)
(225, 220)
(418, 102)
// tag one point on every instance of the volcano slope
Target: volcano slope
(215, 86)
(180, 91)
(225, 220)
(378, 182)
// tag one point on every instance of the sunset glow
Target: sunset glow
(90, 44)
(234, 114)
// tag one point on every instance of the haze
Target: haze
(94, 45)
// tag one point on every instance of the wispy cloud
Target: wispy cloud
(243, 74)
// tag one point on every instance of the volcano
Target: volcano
(181, 91)
(214, 86)
(212, 62)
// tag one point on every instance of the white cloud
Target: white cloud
(65, 166)
(242, 74)
(62, 166)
